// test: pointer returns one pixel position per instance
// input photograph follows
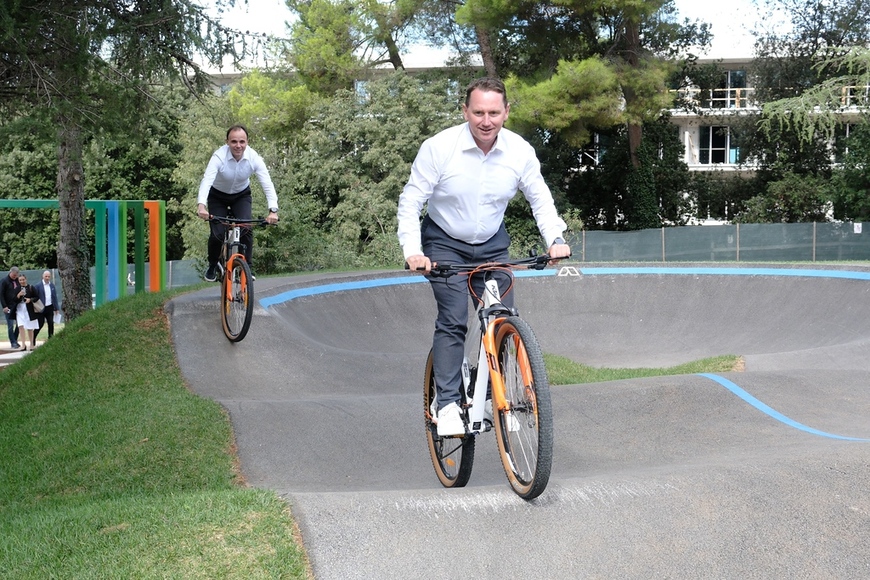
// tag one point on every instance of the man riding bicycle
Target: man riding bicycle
(226, 186)
(466, 175)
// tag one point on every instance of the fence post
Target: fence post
(664, 259)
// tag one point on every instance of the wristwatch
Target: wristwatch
(273, 210)
(559, 241)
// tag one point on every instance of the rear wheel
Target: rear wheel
(237, 299)
(452, 457)
(525, 429)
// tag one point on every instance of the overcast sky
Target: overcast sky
(732, 21)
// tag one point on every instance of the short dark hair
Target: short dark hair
(486, 84)
(237, 127)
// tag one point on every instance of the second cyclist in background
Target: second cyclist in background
(466, 175)
(226, 187)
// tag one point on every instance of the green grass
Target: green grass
(563, 371)
(111, 468)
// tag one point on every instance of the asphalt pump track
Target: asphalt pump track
(763, 473)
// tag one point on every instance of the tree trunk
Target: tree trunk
(72, 250)
(485, 44)
(395, 55)
(632, 56)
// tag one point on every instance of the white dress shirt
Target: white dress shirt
(229, 176)
(468, 192)
(46, 288)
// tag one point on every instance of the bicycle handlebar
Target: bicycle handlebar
(230, 221)
(533, 263)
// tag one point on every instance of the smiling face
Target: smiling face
(238, 142)
(486, 113)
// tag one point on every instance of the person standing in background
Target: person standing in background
(28, 318)
(9, 300)
(48, 294)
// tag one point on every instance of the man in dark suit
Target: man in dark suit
(48, 295)
(9, 299)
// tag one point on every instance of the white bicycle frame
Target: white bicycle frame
(492, 296)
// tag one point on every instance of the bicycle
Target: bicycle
(237, 282)
(515, 375)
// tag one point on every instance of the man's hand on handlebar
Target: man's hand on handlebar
(202, 211)
(419, 263)
(559, 251)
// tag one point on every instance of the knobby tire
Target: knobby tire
(452, 457)
(237, 299)
(525, 431)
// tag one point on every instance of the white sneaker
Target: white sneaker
(487, 411)
(450, 421)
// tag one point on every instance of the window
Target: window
(841, 141)
(731, 92)
(718, 145)
(361, 89)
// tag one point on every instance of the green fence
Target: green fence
(807, 242)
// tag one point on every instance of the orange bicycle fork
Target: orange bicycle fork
(490, 341)
(228, 288)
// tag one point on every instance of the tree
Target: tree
(578, 67)
(88, 64)
(602, 193)
(807, 76)
(357, 156)
(810, 78)
(851, 184)
(335, 41)
(793, 199)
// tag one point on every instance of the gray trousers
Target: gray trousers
(452, 298)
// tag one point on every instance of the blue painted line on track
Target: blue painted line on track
(592, 271)
(773, 412)
(692, 271)
(843, 274)
(371, 283)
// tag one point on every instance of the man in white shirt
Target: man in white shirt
(466, 175)
(226, 186)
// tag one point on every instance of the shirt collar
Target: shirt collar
(229, 154)
(468, 140)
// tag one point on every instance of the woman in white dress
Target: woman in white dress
(28, 320)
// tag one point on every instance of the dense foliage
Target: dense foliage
(587, 80)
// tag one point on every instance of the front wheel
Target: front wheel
(524, 429)
(237, 299)
(452, 457)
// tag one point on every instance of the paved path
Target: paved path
(757, 474)
(8, 355)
